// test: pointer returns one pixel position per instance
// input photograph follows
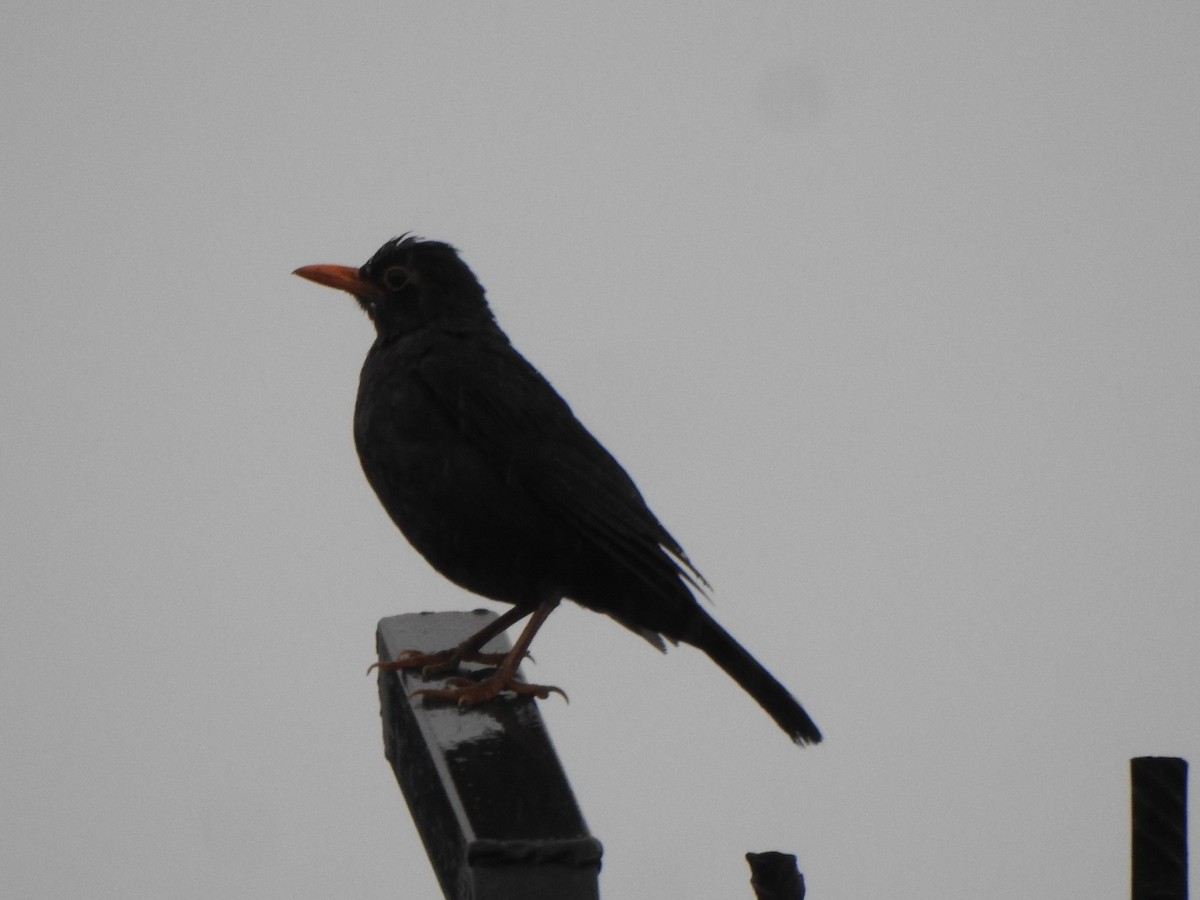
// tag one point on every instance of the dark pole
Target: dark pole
(484, 786)
(775, 876)
(1159, 827)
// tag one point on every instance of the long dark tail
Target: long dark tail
(756, 681)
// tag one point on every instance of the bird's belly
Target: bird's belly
(468, 518)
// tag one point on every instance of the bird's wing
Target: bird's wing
(504, 405)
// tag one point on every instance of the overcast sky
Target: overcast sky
(890, 310)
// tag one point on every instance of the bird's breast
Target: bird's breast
(457, 503)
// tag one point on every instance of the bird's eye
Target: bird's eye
(396, 278)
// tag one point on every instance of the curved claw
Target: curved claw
(436, 663)
(466, 692)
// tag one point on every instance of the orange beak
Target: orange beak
(343, 278)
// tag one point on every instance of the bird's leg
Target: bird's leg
(468, 651)
(467, 692)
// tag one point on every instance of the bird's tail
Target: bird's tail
(755, 680)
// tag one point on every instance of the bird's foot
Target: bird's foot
(436, 663)
(467, 692)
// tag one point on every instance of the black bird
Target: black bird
(490, 476)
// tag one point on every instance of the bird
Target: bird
(489, 475)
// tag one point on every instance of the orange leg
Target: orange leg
(467, 692)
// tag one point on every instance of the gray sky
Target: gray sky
(891, 312)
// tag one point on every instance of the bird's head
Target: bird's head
(408, 283)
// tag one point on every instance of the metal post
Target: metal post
(1159, 827)
(775, 876)
(483, 784)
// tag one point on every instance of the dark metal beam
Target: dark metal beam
(1159, 813)
(484, 786)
